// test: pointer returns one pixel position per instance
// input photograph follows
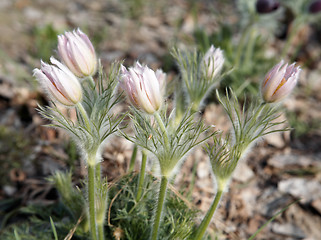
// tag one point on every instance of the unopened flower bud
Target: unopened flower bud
(161, 77)
(213, 61)
(61, 84)
(315, 7)
(266, 6)
(143, 87)
(279, 82)
(78, 53)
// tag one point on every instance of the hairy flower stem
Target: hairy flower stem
(133, 159)
(160, 204)
(196, 105)
(101, 203)
(92, 81)
(163, 128)
(100, 223)
(98, 172)
(91, 199)
(141, 176)
(207, 219)
(101, 231)
(84, 115)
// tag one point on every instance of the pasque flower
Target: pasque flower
(61, 84)
(213, 60)
(279, 82)
(143, 87)
(315, 7)
(78, 53)
(267, 6)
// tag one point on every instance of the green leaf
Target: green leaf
(16, 235)
(271, 219)
(53, 228)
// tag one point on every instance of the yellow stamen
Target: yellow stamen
(266, 80)
(280, 85)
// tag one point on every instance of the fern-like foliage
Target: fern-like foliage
(193, 73)
(250, 122)
(253, 120)
(133, 220)
(71, 197)
(181, 138)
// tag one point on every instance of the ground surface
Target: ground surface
(277, 171)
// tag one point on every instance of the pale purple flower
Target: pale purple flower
(143, 87)
(78, 53)
(279, 82)
(266, 6)
(60, 83)
(161, 77)
(315, 7)
(213, 61)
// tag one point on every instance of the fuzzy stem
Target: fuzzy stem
(84, 115)
(141, 176)
(91, 199)
(101, 203)
(100, 224)
(133, 159)
(92, 81)
(207, 219)
(101, 231)
(196, 105)
(163, 128)
(98, 172)
(160, 204)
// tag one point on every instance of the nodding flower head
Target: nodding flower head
(78, 53)
(279, 82)
(60, 83)
(315, 7)
(266, 6)
(143, 87)
(213, 61)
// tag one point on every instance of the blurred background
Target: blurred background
(254, 35)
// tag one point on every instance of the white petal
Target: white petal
(274, 81)
(152, 88)
(284, 90)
